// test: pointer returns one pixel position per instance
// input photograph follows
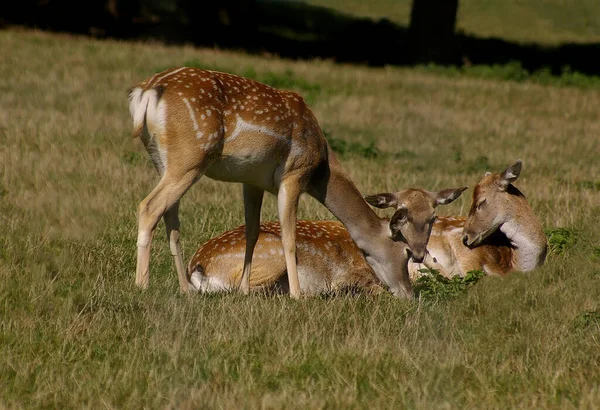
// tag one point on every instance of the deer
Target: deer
(328, 258)
(501, 233)
(195, 122)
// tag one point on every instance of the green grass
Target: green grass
(76, 333)
(547, 22)
(432, 286)
(514, 71)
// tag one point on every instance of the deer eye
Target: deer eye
(481, 204)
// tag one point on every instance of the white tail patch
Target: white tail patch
(138, 101)
(207, 284)
(155, 115)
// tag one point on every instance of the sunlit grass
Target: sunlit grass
(547, 22)
(76, 333)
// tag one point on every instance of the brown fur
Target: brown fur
(502, 231)
(197, 122)
(222, 256)
(328, 257)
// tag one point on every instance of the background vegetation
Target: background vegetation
(76, 333)
(536, 21)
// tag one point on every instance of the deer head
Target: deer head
(492, 205)
(414, 216)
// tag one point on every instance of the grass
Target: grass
(514, 71)
(76, 333)
(548, 22)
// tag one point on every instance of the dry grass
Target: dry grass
(75, 333)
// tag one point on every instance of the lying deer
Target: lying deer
(197, 122)
(328, 258)
(501, 234)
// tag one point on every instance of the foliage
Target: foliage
(478, 165)
(591, 185)
(344, 148)
(135, 158)
(561, 240)
(433, 286)
(514, 71)
(587, 319)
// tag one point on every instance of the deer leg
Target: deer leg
(171, 218)
(168, 191)
(287, 206)
(253, 198)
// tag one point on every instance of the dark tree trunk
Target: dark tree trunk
(431, 32)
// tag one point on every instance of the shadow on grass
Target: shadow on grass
(291, 29)
(298, 30)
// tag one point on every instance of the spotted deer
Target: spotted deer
(196, 122)
(328, 257)
(501, 233)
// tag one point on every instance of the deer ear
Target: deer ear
(446, 196)
(386, 200)
(510, 175)
(398, 219)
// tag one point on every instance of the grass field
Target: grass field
(76, 333)
(548, 22)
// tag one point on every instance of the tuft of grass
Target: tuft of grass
(514, 71)
(135, 158)
(587, 319)
(434, 287)
(478, 165)
(591, 185)
(560, 240)
(405, 153)
(345, 148)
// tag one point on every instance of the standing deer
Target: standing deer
(197, 122)
(328, 258)
(501, 234)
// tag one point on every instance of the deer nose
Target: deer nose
(417, 258)
(465, 240)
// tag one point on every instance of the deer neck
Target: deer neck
(527, 238)
(341, 196)
(332, 186)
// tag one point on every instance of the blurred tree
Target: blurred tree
(431, 31)
(204, 22)
(222, 22)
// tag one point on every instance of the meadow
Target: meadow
(76, 333)
(548, 22)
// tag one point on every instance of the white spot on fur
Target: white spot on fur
(244, 126)
(169, 74)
